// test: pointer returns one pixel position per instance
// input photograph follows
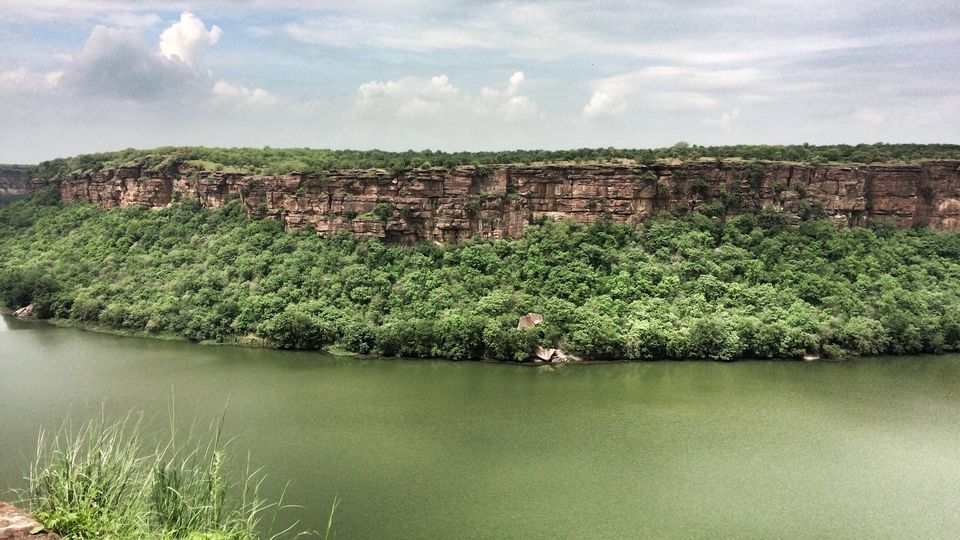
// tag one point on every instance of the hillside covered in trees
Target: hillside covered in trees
(305, 160)
(686, 286)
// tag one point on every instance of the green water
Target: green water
(424, 449)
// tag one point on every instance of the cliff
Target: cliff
(501, 201)
(13, 181)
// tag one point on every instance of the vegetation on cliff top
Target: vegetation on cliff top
(285, 160)
(675, 287)
(14, 169)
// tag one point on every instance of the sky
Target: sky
(96, 75)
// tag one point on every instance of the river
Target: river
(433, 449)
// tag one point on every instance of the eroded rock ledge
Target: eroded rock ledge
(501, 201)
(13, 181)
(16, 524)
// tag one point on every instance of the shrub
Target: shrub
(730, 200)
(383, 211)
(663, 189)
(459, 338)
(757, 174)
(700, 187)
(295, 329)
(862, 335)
(31, 286)
(358, 337)
(472, 208)
(714, 337)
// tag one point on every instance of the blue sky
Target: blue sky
(79, 76)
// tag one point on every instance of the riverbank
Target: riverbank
(339, 352)
(252, 342)
(246, 342)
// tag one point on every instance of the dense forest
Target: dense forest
(305, 160)
(687, 286)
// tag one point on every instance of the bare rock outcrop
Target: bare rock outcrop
(15, 524)
(13, 181)
(529, 320)
(541, 354)
(442, 205)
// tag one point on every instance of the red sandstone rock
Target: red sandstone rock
(16, 524)
(529, 320)
(449, 206)
(13, 182)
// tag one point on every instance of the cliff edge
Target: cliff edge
(500, 201)
(13, 181)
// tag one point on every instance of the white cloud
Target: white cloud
(188, 38)
(515, 81)
(517, 108)
(724, 121)
(116, 63)
(418, 107)
(133, 20)
(413, 98)
(507, 103)
(331, 31)
(350, 32)
(673, 88)
(689, 33)
(22, 80)
(409, 97)
(603, 104)
(242, 94)
(678, 100)
(433, 39)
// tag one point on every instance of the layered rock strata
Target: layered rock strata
(13, 181)
(443, 205)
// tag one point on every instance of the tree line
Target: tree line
(316, 161)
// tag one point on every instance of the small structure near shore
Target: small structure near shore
(15, 524)
(26, 312)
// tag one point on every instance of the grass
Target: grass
(214, 166)
(367, 216)
(106, 480)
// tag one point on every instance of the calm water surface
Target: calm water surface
(425, 449)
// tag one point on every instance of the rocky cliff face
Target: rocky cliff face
(501, 201)
(13, 182)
